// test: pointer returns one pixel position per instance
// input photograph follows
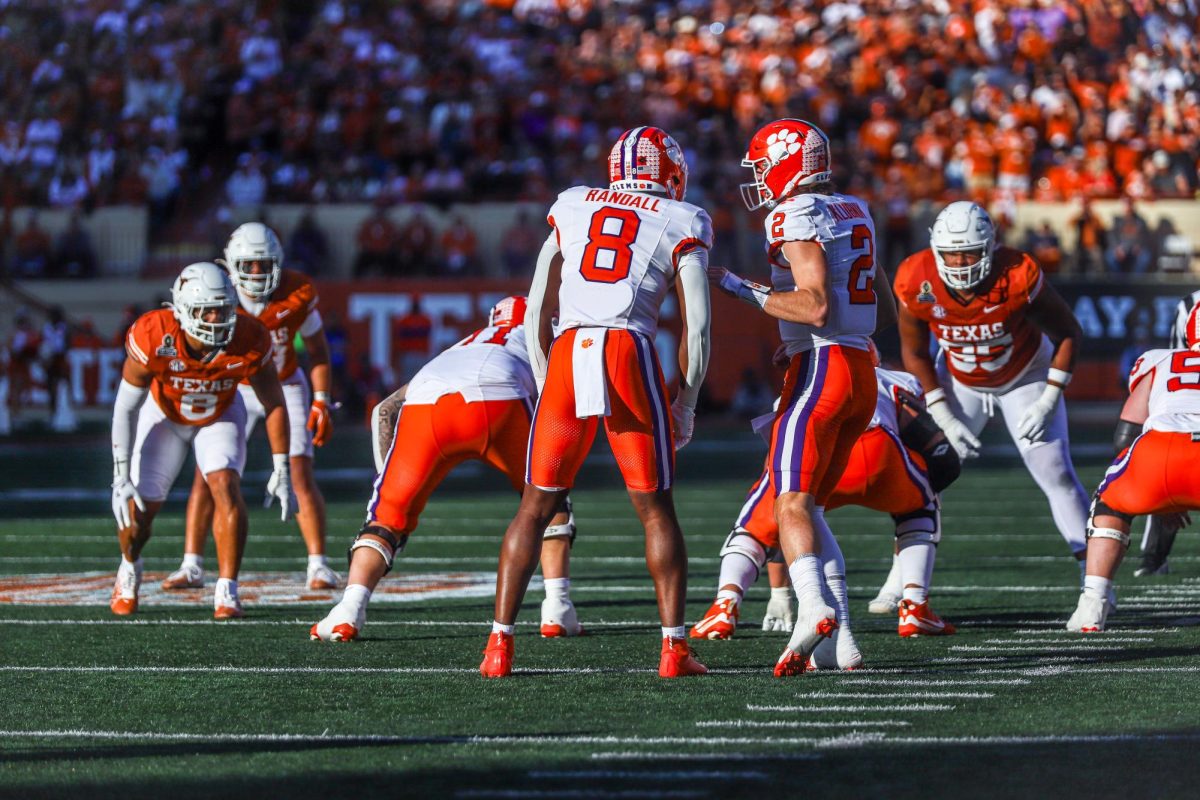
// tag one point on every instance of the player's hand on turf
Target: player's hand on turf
(320, 420)
(1033, 423)
(961, 439)
(279, 486)
(684, 422)
(781, 613)
(123, 491)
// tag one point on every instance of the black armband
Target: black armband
(1124, 434)
(919, 431)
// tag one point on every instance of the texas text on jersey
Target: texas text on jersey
(988, 341)
(284, 314)
(193, 391)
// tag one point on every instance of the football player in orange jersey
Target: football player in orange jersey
(1006, 339)
(1158, 447)
(286, 302)
(190, 358)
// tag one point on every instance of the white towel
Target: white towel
(591, 382)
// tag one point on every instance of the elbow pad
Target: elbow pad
(1124, 434)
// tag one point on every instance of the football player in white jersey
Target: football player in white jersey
(606, 268)
(821, 246)
(1155, 474)
(473, 401)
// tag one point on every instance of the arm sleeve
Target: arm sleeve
(129, 400)
(693, 278)
(312, 325)
(533, 311)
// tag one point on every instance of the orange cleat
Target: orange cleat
(345, 632)
(124, 600)
(719, 622)
(497, 656)
(122, 606)
(790, 663)
(677, 660)
(228, 612)
(918, 619)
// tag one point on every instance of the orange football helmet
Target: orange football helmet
(647, 159)
(783, 155)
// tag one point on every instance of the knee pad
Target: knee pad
(564, 531)
(942, 465)
(1108, 533)
(741, 542)
(921, 526)
(1102, 508)
(394, 544)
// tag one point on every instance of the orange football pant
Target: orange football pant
(1158, 474)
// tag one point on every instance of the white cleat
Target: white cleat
(339, 625)
(187, 576)
(321, 577)
(226, 604)
(884, 603)
(839, 651)
(559, 619)
(1090, 615)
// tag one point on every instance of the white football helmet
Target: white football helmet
(963, 226)
(201, 287)
(254, 241)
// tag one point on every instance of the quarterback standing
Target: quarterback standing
(190, 358)
(1158, 443)
(824, 277)
(606, 268)
(1006, 339)
(285, 302)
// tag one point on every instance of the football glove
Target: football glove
(961, 438)
(320, 421)
(781, 611)
(123, 491)
(280, 486)
(732, 284)
(684, 422)
(1033, 423)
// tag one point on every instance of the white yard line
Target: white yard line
(919, 683)
(1123, 632)
(582, 794)
(1081, 648)
(646, 775)
(1106, 640)
(401, 623)
(655, 755)
(236, 670)
(851, 709)
(824, 695)
(784, 723)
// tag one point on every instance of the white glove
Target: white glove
(123, 491)
(781, 611)
(684, 419)
(1032, 425)
(280, 486)
(961, 438)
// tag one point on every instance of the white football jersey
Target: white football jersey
(1174, 391)
(842, 224)
(490, 364)
(620, 252)
(889, 385)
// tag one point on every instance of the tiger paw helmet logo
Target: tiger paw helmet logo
(782, 144)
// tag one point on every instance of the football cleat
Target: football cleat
(1151, 566)
(814, 622)
(186, 577)
(125, 592)
(719, 622)
(1090, 615)
(226, 604)
(918, 619)
(886, 602)
(559, 619)
(339, 625)
(321, 577)
(497, 656)
(677, 660)
(839, 651)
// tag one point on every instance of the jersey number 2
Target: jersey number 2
(862, 288)
(619, 243)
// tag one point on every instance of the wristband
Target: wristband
(1058, 376)
(321, 397)
(937, 395)
(280, 460)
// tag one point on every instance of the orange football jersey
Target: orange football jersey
(190, 391)
(989, 340)
(292, 301)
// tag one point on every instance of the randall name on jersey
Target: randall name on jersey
(642, 201)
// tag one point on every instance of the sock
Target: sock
(737, 570)
(558, 589)
(729, 594)
(892, 584)
(916, 561)
(806, 577)
(833, 566)
(506, 629)
(355, 597)
(1097, 587)
(678, 632)
(193, 560)
(317, 561)
(127, 565)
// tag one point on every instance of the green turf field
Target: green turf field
(172, 705)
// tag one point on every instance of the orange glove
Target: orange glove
(320, 421)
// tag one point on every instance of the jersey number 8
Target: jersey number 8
(612, 231)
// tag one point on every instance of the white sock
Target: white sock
(127, 565)
(677, 632)
(317, 561)
(729, 594)
(737, 570)
(916, 561)
(805, 572)
(506, 629)
(226, 588)
(558, 589)
(355, 597)
(892, 584)
(1097, 587)
(833, 566)
(193, 560)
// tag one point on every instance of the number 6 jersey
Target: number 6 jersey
(620, 253)
(192, 391)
